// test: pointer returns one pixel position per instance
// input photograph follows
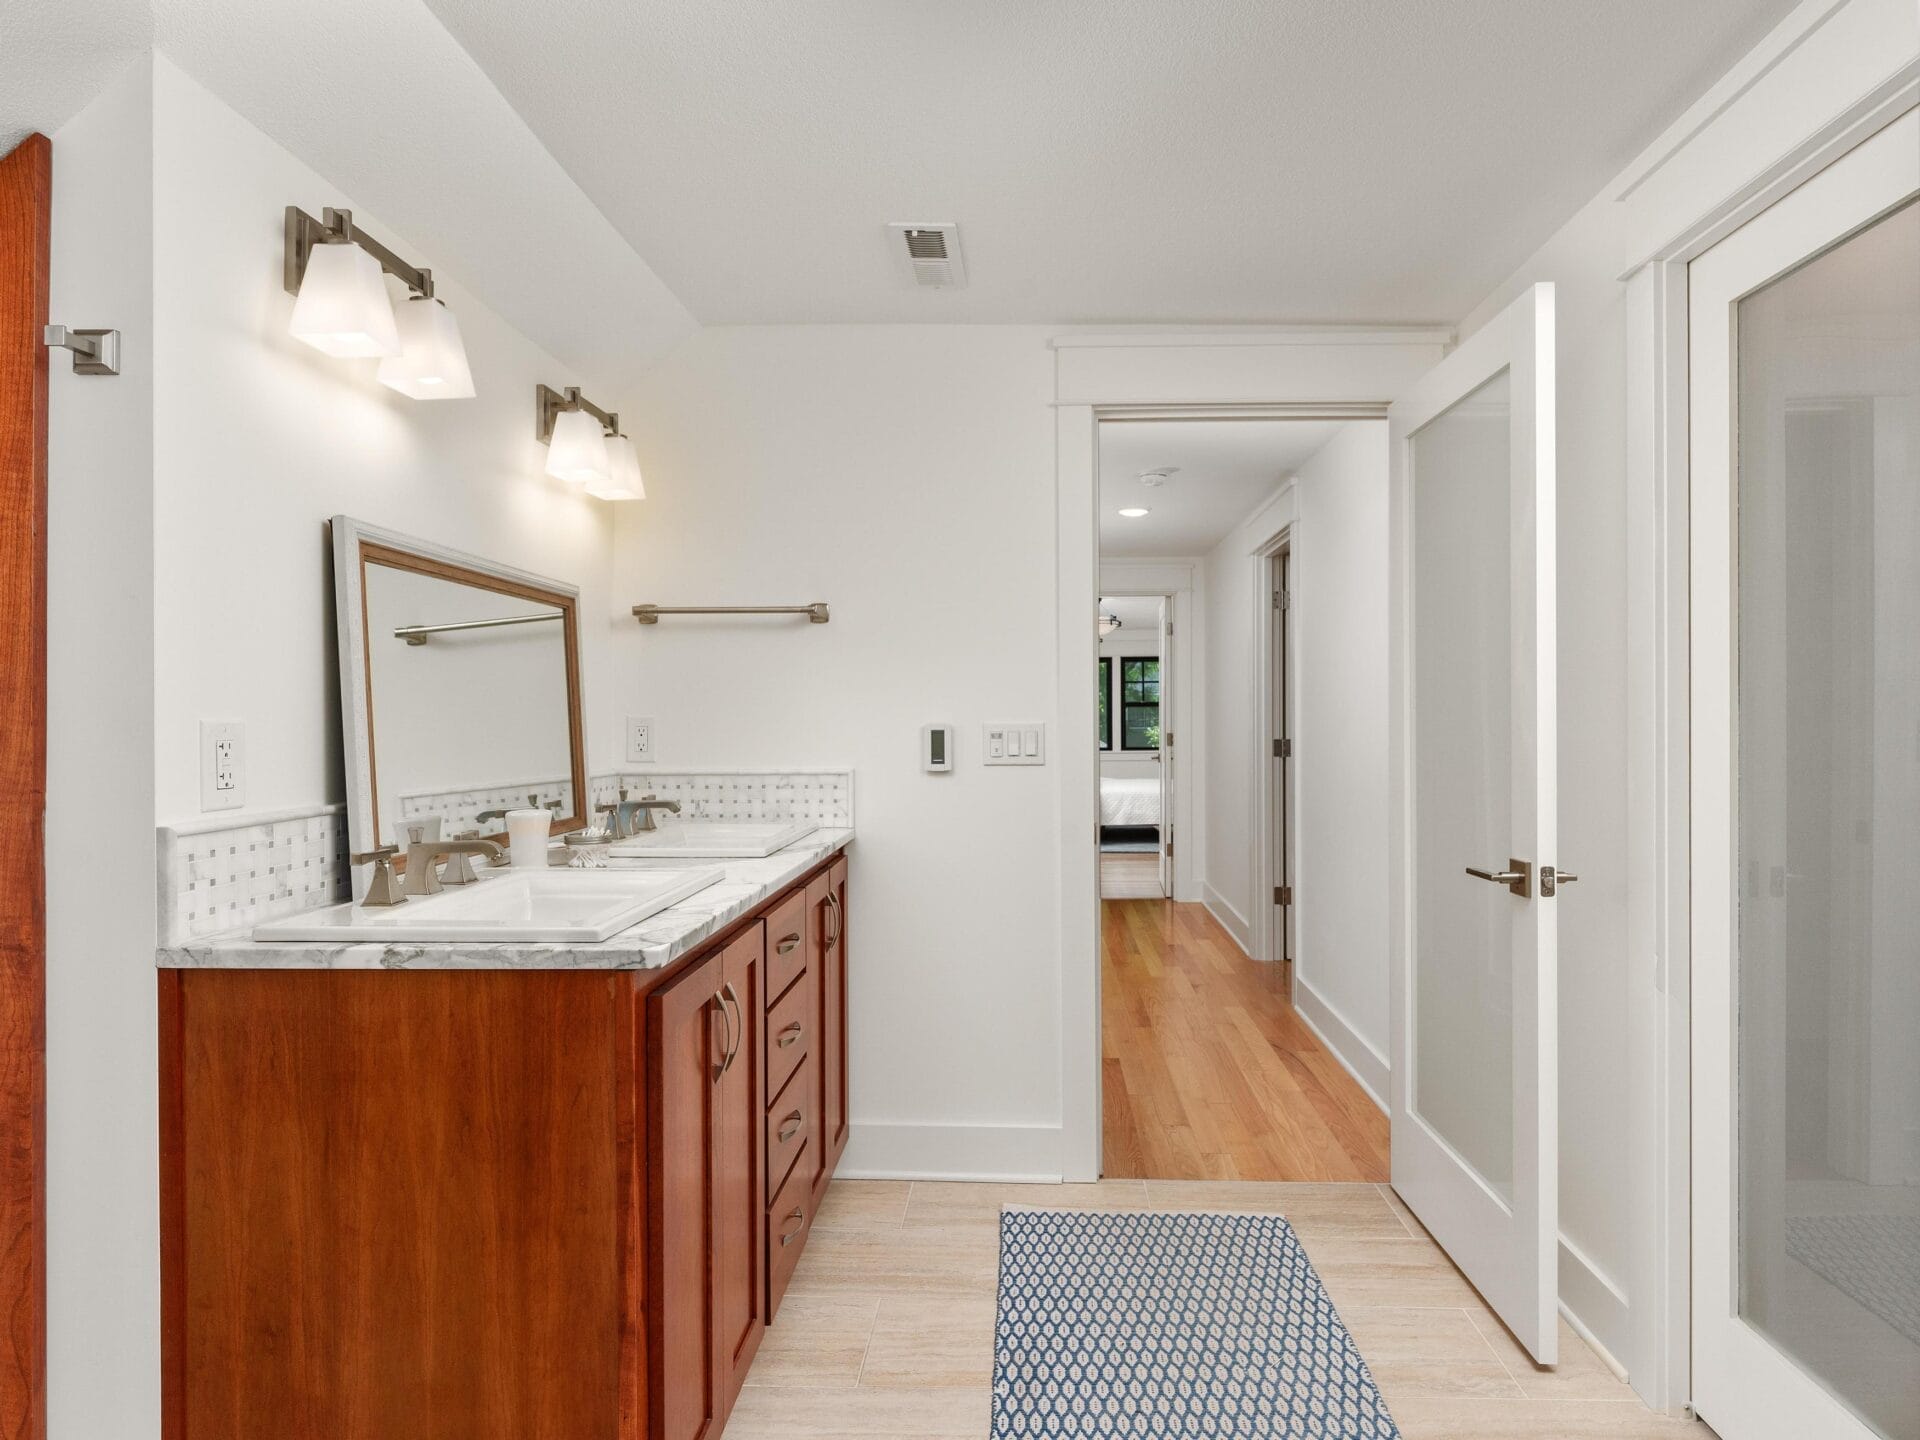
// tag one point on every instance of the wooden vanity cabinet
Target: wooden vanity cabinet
(831, 919)
(487, 1205)
(708, 1308)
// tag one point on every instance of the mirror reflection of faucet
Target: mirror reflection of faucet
(634, 817)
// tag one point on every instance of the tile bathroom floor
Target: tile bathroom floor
(887, 1329)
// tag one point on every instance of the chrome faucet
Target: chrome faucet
(423, 875)
(384, 889)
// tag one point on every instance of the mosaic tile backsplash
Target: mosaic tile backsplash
(236, 871)
(250, 869)
(819, 797)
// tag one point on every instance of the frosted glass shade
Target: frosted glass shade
(578, 451)
(432, 363)
(343, 309)
(623, 482)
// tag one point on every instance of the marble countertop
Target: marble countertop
(651, 944)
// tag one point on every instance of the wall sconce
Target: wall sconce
(341, 307)
(585, 446)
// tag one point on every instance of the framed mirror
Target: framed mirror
(459, 690)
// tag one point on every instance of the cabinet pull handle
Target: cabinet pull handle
(799, 1219)
(726, 1022)
(790, 1127)
(785, 946)
(833, 905)
(730, 998)
(790, 1035)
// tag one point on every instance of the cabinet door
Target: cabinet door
(739, 1270)
(818, 1159)
(833, 1021)
(687, 1045)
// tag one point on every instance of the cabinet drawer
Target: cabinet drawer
(787, 947)
(792, 1122)
(788, 1219)
(790, 1027)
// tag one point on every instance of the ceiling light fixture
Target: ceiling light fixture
(1134, 512)
(336, 274)
(1109, 622)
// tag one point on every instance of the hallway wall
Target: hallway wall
(1337, 505)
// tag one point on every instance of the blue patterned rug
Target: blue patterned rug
(1177, 1327)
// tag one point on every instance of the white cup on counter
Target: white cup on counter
(528, 832)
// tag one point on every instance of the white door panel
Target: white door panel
(1804, 376)
(1474, 1029)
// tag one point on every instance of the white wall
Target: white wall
(1338, 577)
(904, 475)
(1232, 576)
(188, 577)
(1337, 507)
(259, 439)
(103, 1222)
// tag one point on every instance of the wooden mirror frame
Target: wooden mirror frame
(355, 545)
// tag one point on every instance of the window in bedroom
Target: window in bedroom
(1140, 703)
(1106, 702)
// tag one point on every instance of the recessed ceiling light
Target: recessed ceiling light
(1134, 512)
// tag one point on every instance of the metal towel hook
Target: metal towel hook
(95, 352)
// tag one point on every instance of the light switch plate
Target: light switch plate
(1014, 742)
(223, 764)
(639, 740)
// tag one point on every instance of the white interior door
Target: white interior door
(1471, 867)
(1165, 753)
(1804, 406)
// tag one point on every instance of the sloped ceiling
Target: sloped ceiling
(1107, 160)
(380, 99)
(56, 55)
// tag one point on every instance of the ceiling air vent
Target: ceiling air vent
(931, 254)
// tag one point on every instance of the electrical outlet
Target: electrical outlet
(639, 740)
(223, 764)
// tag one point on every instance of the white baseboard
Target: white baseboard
(1366, 1064)
(1594, 1306)
(891, 1150)
(1231, 920)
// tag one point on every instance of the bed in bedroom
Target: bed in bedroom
(1129, 804)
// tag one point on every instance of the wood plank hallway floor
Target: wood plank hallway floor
(1210, 1072)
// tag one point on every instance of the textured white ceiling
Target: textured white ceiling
(1227, 467)
(1107, 160)
(377, 97)
(56, 55)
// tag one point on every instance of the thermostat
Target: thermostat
(936, 747)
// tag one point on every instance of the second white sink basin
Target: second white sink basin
(713, 840)
(528, 906)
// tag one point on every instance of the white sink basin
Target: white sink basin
(528, 906)
(712, 840)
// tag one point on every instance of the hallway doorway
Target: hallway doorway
(1208, 1070)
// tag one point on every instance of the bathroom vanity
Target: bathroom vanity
(519, 1181)
(439, 1201)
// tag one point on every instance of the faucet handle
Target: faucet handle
(382, 889)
